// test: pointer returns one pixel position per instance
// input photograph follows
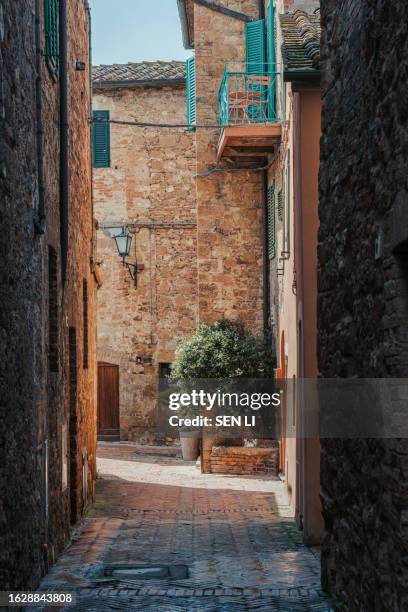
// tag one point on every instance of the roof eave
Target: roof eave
(185, 30)
(131, 83)
(309, 78)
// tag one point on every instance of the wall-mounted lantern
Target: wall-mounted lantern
(123, 244)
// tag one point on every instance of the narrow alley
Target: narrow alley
(204, 305)
(228, 541)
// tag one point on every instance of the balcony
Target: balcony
(247, 113)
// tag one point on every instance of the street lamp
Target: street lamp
(123, 244)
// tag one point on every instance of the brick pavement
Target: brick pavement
(234, 534)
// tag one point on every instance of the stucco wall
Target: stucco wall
(307, 224)
(283, 276)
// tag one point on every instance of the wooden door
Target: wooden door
(108, 402)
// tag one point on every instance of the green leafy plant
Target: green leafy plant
(223, 350)
(222, 357)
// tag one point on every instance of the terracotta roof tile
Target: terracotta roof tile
(301, 39)
(141, 71)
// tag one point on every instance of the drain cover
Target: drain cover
(146, 572)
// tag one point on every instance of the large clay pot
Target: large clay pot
(189, 444)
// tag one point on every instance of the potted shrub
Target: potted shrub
(224, 350)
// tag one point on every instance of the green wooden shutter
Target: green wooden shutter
(255, 64)
(271, 222)
(280, 205)
(271, 35)
(271, 58)
(101, 140)
(51, 34)
(255, 46)
(191, 93)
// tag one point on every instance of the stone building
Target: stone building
(48, 417)
(144, 181)
(230, 229)
(256, 70)
(362, 314)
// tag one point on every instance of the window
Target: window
(164, 373)
(271, 222)
(53, 354)
(164, 370)
(51, 34)
(191, 93)
(101, 139)
(85, 361)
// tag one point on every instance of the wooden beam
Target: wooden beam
(257, 140)
(250, 152)
(253, 129)
(250, 143)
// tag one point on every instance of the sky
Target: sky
(136, 30)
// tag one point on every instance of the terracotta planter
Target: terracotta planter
(190, 444)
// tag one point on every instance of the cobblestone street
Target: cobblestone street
(234, 536)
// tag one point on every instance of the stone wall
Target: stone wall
(363, 301)
(151, 179)
(36, 314)
(229, 205)
(81, 286)
(20, 275)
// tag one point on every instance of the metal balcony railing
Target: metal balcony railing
(247, 94)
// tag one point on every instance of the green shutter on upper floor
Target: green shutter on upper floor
(271, 226)
(271, 58)
(255, 46)
(101, 139)
(51, 34)
(271, 35)
(191, 95)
